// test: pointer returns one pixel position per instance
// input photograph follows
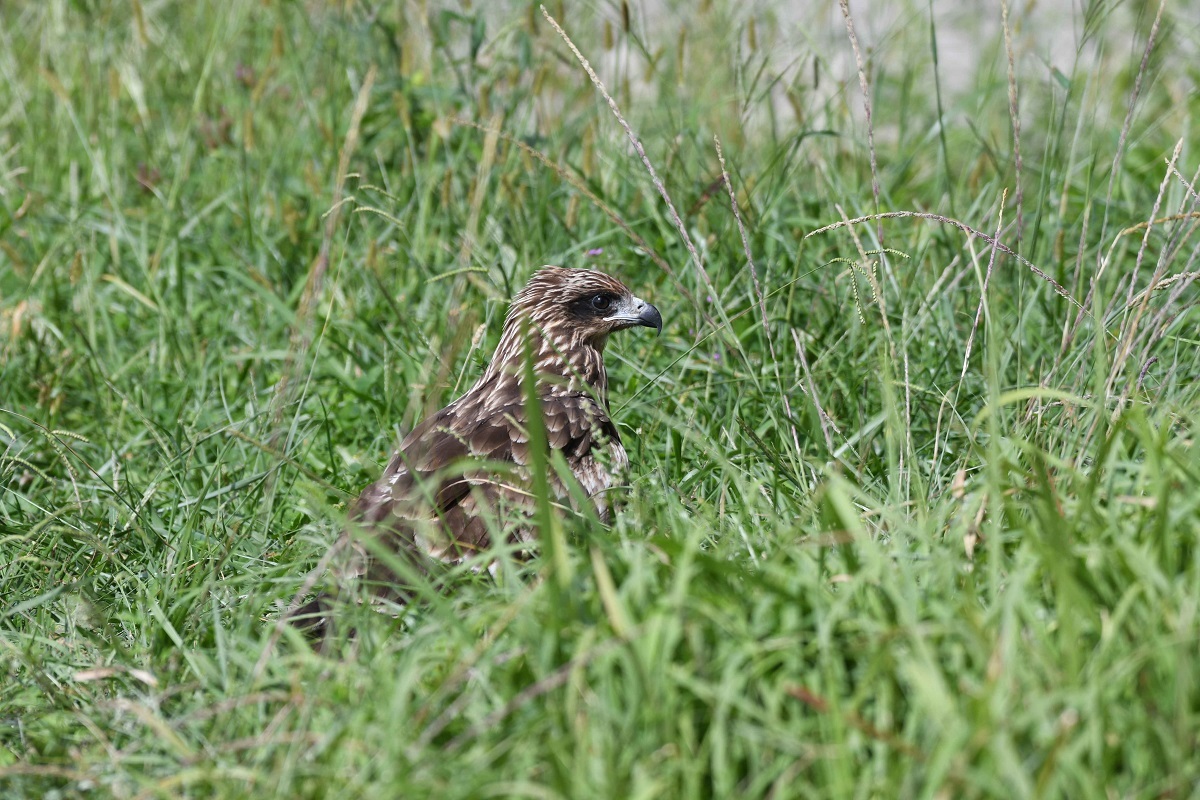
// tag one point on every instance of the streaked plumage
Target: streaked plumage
(462, 475)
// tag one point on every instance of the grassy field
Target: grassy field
(915, 501)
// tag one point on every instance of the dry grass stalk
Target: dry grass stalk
(987, 278)
(1058, 288)
(302, 332)
(1014, 116)
(1133, 98)
(637, 145)
(581, 186)
(866, 93)
(762, 305)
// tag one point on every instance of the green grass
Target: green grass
(968, 576)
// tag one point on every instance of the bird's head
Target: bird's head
(574, 307)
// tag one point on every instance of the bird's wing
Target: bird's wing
(581, 428)
(448, 477)
(575, 423)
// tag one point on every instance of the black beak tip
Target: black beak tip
(650, 317)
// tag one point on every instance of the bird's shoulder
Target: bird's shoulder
(485, 425)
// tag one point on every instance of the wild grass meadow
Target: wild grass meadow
(914, 504)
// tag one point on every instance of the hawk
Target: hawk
(462, 476)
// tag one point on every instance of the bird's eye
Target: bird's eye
(601, 302)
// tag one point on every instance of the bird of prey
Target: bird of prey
(461, 479)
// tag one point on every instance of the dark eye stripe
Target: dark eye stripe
(593, 304)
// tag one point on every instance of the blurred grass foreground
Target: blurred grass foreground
(914, 506)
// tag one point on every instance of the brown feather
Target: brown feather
(446, 490)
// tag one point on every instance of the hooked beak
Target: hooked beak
(638, 312)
